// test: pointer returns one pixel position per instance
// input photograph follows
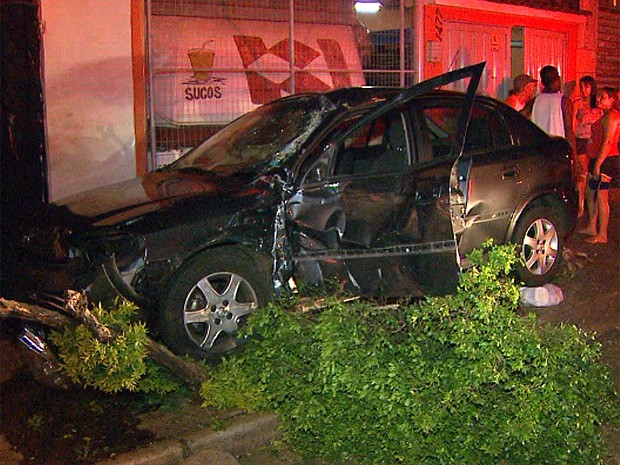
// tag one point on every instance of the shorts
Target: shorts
(611, 168)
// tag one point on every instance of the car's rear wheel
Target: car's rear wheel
(210, 298)
(539, 242)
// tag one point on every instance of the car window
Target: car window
(378, 147)
(439, 126)
(524, 131)
(261, 139)
(499, 129)
(486, 130)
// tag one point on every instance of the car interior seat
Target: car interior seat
(393, 156)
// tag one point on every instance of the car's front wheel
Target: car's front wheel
(539, 242)
(210, 297)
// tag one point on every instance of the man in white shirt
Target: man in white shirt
(550, 110)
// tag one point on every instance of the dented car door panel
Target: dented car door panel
(389, 223)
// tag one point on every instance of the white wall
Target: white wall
(88, 93)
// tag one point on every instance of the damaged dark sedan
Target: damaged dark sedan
(383, 190)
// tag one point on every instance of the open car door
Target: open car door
(377, 209)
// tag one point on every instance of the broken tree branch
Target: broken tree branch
(34, 313)
(77, 305)
(311, 304)
(190, 372)
(184, 368)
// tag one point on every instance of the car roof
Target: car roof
(370, 95)
(361, 96)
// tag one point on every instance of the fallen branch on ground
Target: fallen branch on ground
(190, 372)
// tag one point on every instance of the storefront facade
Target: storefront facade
(132, 104)
(511, 39)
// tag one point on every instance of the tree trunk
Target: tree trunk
(185, 369)
(34, 313)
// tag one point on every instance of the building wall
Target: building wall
(608, 45)
(567, 29)
(94, 62)
(88, 93)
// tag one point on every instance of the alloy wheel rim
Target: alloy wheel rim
(215, 308)
(540, 246)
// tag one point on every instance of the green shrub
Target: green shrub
(121, 364)
(458, 379)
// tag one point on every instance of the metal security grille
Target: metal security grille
(211, 61)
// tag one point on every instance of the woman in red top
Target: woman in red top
(604, 167)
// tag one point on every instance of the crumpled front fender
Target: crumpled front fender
(126, 290)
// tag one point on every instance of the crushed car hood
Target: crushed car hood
(124, 201)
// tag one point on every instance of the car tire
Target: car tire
(539, 241)
(210, 297)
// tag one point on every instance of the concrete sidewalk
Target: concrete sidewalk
(242, 434)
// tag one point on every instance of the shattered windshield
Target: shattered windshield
(259, 140)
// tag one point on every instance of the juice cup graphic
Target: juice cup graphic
(201, 60)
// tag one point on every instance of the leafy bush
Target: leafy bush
(121, 364)
(450, 380)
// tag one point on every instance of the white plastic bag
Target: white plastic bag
(544, 296)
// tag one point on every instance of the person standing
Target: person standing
(586, 113)
(524, 88)
(604, 167)
(550, 110)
